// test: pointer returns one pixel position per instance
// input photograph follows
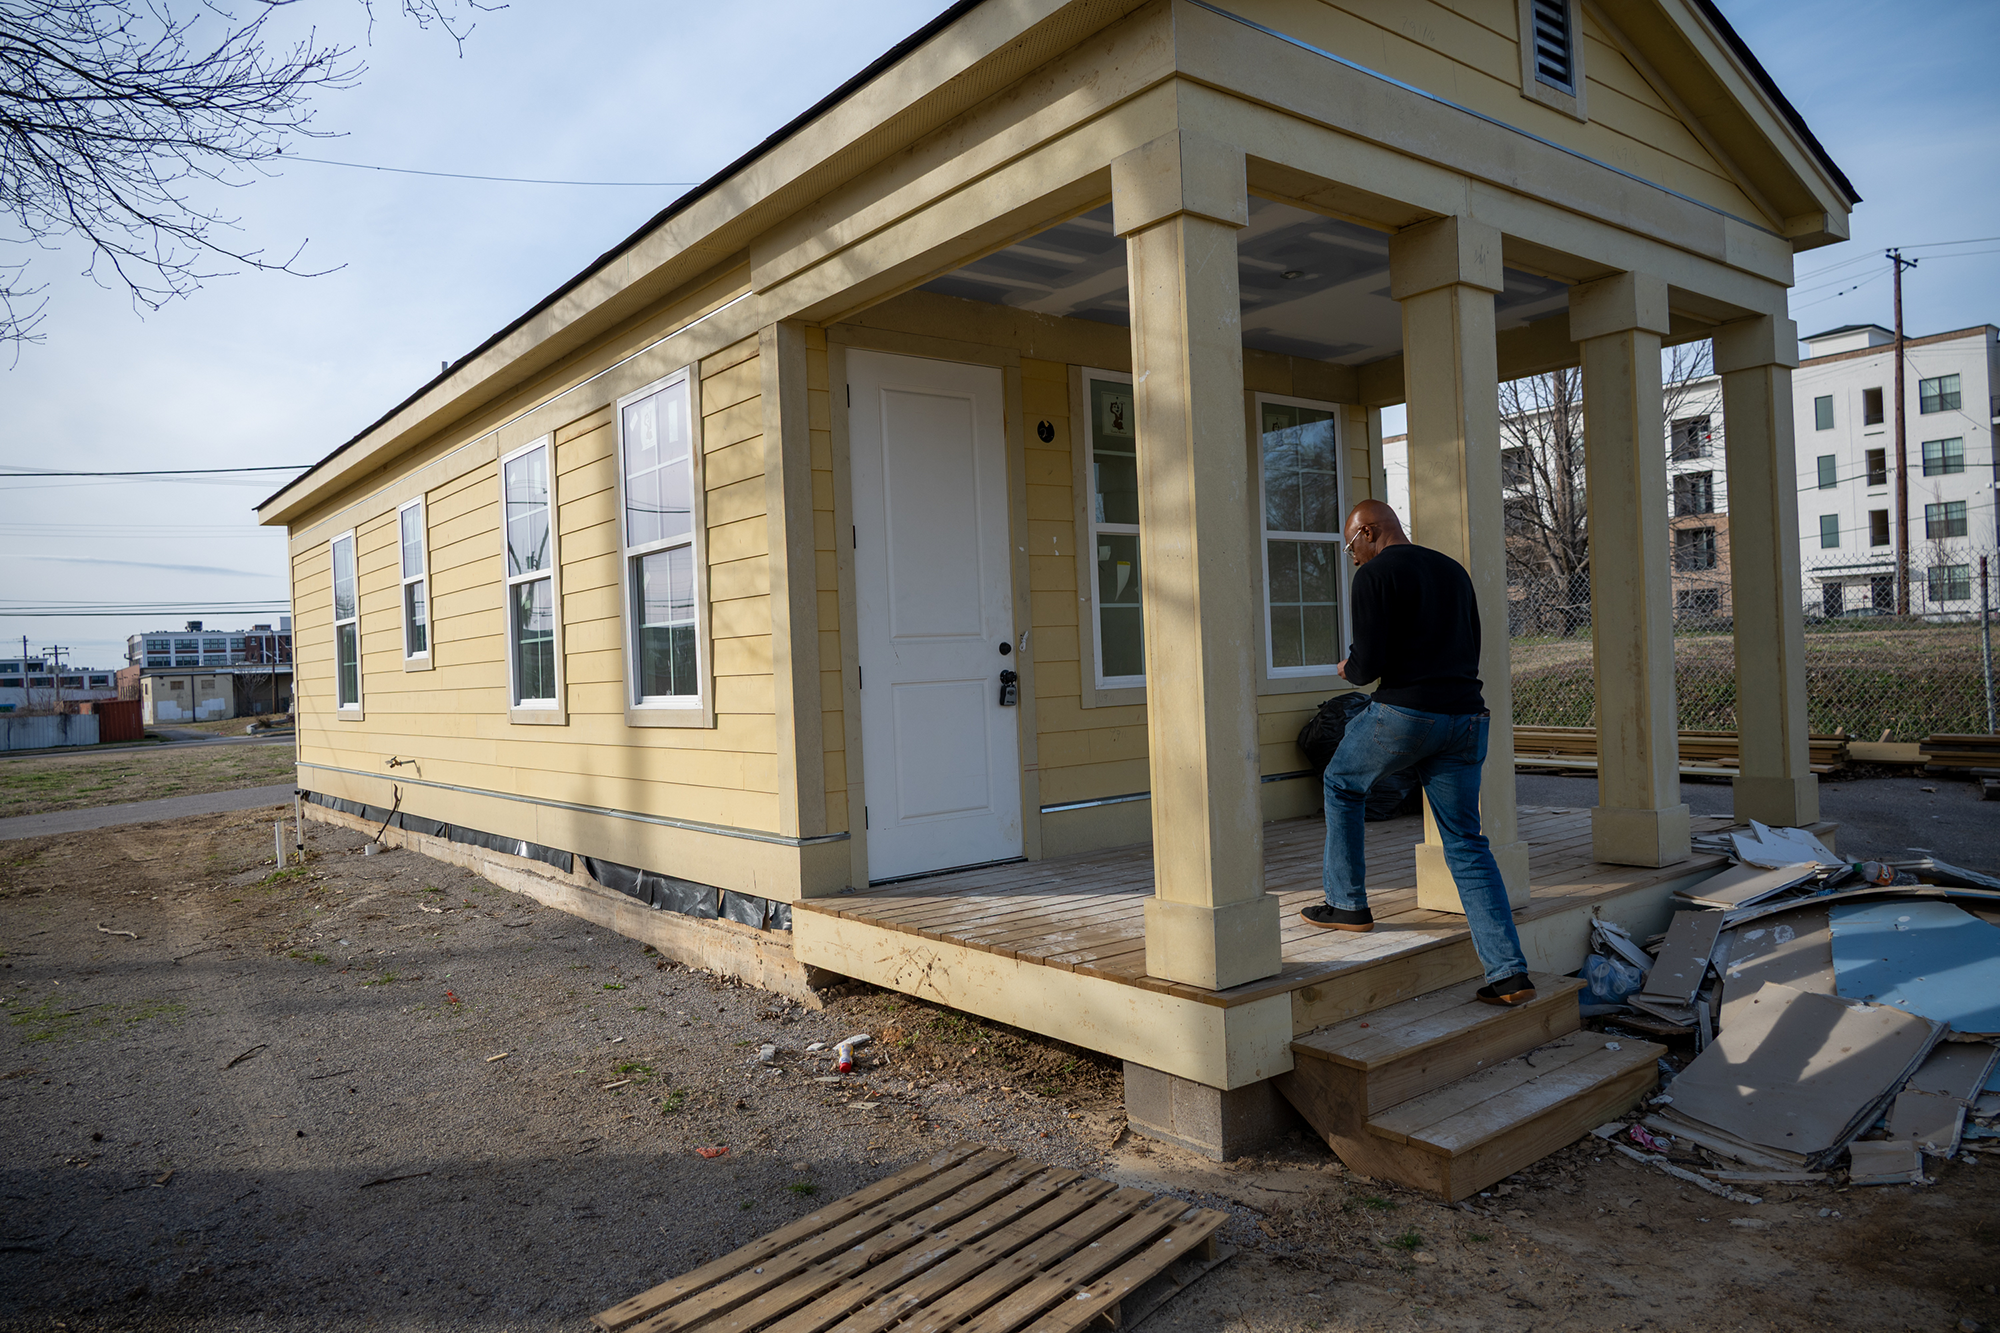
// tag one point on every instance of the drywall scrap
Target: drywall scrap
(1931, 958)
(1796, 1077)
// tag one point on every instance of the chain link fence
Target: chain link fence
(1870, 672)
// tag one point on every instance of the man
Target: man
(1416, 629)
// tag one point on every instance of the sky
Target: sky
(268, 369)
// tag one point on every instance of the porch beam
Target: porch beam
(1775, 783)
(1179, 201)
(1445, 273)
(1639, 818)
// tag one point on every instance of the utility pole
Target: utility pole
(1902, 451)
(1986, 646)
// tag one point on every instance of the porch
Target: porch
(1058, 946)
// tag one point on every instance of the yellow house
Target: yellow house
(953, 484)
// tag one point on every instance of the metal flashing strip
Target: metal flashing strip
(663, 821)
(524, 413)
(1428, 96)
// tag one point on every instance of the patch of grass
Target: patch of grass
(1477, 1237)
(747, 1205)
(614, 985)
(47, 1022)
(386, 979)
(432, 888)
(1409, 1242)
(672, 1103)
(78, 782)
(746, 1043)
(285, 876)
(1375, 1203)
(634, 1068)
(805, 1189)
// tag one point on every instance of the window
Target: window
(1697, 603)
(1878, 467)
(42, 682)
(1114, 530)
(1829, 472)
(1823, 412)
(1951, 583)
(1944, 456)
(1882, 592)
(1694, 548)
(1514, 474)
(1694, 493)
(1829, 531)
(416, 581)
(100, 682)
(72, 682)
(1692, 439)
(1944, 520)
(1878, 527)
(656, 430)
(529, 519)
(1832, 599)
(346, 627)
(12, 683)
(1298, 447)
(1871, 407)
(1937, 395)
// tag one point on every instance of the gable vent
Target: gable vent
(1555, 59)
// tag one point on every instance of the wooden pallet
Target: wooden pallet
(971, 1239)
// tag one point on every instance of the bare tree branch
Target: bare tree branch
(115, 116)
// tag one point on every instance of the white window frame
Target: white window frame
(1313, 677)
(347, 711)
(551, 711)
(1100, 689)
(419, 661)
(696, 710)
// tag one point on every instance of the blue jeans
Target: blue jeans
(1446, 749)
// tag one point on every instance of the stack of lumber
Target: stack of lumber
(1957, 751)
(1710, 753)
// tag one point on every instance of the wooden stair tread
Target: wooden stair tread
(1402, 1030)
(1461, 1116)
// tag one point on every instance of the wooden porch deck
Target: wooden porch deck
(1085, 914)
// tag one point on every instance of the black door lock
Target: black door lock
(1010, 689)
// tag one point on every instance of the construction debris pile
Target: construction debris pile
(1843, 1014)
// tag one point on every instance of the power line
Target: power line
(466, 176)
(153, 472)
(1872, 258)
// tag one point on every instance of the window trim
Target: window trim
(1831, 419)
(1945, 519)
(1312, 679)
(1937, 395)
(555, 712)
(665, 711)
(1570, 101)
(1950, 572)
(415, 661)
(1093, 691)
(346, 712)
(1825, 531)
(1827, 478)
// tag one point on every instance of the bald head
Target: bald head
(1372, 526)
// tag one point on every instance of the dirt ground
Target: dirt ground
(279, 1106)
(76, 780)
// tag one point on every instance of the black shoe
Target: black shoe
(1517, 989)
(1338, 918)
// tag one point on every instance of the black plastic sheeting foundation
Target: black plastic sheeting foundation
(375, 814)
(703, 901)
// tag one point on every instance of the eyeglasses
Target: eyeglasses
(1348, 544)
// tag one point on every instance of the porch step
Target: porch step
(1388, 1056)
(1444, 1094)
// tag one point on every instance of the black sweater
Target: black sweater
(1416, 629)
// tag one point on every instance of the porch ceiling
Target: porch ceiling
(1313, 286)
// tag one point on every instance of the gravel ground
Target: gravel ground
(277, 1107)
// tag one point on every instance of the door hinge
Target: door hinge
(859, 679)
(854, 537)
(850, 395)
(864, 817)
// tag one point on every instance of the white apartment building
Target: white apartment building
(1843, 401)
(35, 684)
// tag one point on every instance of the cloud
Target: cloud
(147, 564)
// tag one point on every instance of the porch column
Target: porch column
(1445, 273)
(1774, 783)
(1640, 819)
(1178, 202)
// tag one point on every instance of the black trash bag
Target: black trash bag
(1393, 795)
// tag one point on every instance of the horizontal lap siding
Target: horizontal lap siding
(1468, 52)
(452, 720)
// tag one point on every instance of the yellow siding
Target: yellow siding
(1468, 52)
(453, 719)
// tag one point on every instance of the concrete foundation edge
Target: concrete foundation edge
(1211, 1122)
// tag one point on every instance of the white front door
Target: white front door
(935, 603)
